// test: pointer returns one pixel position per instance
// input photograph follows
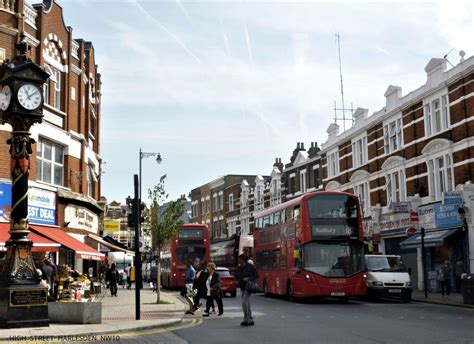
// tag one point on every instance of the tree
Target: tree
(162, 225)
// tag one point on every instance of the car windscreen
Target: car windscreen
(385, 264)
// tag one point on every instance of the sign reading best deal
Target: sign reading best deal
(41, 205)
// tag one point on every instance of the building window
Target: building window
(50, 162)
(292, 184)
(221, 201)
(363, 191)
(436, 116)
(317, 178)
(440, 174)
(91, 180)
(46, 89)
(392, 136)
(395, 187)
(359, 152)
(333, 164)
(231, 202)
(303, 181)
(57, 90)
(216, 201)
(208, 206)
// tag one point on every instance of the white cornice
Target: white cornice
(76, 70)
(31, 40)
(8, 30)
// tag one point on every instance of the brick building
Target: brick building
(415, 155)
(66, 169)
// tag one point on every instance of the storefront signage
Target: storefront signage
(436, 216)
(41, 205)
(452, 197)
(81, 218)
(396, 223)
(401, 207)
(112, 226)
(28, 297)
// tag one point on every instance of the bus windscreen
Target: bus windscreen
(190, 233)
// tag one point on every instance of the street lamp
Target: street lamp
(143, 155)
(23, 303)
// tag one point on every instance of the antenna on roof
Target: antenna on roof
(343, 109)
(446, 57)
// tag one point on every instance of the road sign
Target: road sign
(452, 197)
(411, 231)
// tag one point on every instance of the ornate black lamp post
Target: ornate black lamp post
(23, 303)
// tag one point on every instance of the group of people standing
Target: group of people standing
(444, 277)
(202, 281)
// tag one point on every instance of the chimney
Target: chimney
(392, 97)
(360, 115)
(278, 164)
(333, 130)
(434, 71)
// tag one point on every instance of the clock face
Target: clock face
(5, 98)
(29, 97)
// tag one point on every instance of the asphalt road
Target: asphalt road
(280, 321)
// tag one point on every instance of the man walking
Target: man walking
(188, 286)
(445, 280)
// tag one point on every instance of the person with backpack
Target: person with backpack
(246, 276)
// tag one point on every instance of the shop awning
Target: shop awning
(82, 250)
(40, 243)
(432, 239)
(108, 244)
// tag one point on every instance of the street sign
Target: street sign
(452, 197)
(411, 231)
(401, 207)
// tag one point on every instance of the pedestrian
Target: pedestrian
(458, 270)
(246, 273)
(90, 272)
(48, 274)
(128, 271)
(112, 277)
(154, 276)
(213, 290)
(445, 277)
(187, 291)
(200, 284)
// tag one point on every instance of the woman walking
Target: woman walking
(214, 291)
(246, 273)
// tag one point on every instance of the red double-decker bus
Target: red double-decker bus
(191, 242)
(311, 246)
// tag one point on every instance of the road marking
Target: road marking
(192, 323)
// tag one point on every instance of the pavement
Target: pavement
(118, 316)
(454, 299)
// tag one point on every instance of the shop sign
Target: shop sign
(41, 205)
(396, 223)
(452, 197)
(401, 207)
(81, 218)
(112, 226)
(435, 216)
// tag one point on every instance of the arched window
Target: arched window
(46, 84)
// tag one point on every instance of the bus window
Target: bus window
(282, 216)
(258, 223)
(289, 215)
(266, 221)
(270, 222)
(276, 218)
(296, 213)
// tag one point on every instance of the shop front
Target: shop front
(445, 240)
(393, 230)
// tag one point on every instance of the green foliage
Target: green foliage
(163, 226)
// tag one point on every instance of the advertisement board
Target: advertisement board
(41, 205)
(81, 218)
(112, 226)
(436, 216)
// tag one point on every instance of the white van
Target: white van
(387, 276)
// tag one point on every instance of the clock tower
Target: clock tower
(23, 303)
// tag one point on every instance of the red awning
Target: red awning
(40, 243)
(82, 250)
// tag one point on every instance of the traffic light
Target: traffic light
(142, 212)
(130, 221)
(131, 215)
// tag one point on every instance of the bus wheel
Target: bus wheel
(289, 291)
(265, 288)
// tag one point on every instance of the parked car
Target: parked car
(228, 283)
(387, 276)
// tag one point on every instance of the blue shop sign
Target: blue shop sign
(41, 205)
(435, 216)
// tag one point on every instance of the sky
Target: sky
(220, 87)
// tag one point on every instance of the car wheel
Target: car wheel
(265, 288)
(406, 298)
(233, 293)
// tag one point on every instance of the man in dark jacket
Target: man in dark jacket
(154, 276)
(246, 272)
